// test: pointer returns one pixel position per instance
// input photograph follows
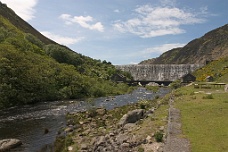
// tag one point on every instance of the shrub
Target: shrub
(209, 96)
(142, 106)
(157, 96)
(140, 149)
(176, 84)
(158, 136)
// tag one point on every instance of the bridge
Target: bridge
(159, 73)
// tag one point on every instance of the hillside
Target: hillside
(34, 68)
(217, 69)
(212, 46)
(18, 22)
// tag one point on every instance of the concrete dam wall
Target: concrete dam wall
(159, 72)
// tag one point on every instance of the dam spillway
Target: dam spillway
(159, 72)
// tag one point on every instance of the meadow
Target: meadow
(204, 114)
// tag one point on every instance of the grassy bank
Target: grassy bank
(204, 114)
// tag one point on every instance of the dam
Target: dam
(159, 72)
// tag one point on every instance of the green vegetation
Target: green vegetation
(176, 84)
(158, 136)
(204, 118)
(152, 88)
(32, 71)
(217, 69)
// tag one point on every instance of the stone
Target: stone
(68, 129)
(121, 138)
(226, 88)
(101, 140)
(70, 148)
(125, 145)
(101, 111)
(161, 128)
(132, 117)
(7, 144)
(149, 139)
(84, 147)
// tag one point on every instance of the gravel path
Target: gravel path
(174, 141)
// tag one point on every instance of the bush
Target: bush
(176, 84)
(158, 136)
(142, 106)
(209, 96)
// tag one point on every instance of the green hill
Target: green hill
(34, 68)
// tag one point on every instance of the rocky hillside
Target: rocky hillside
(212, 46)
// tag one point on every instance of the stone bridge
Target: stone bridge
(159, 72)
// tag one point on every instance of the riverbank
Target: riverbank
(100, 129)
(190, 119)
(37, 125)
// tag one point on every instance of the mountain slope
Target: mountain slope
(18, 22)
(34, 70)
(212, 46)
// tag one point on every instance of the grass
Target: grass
(204, 119)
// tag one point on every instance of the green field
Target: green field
(204, 117)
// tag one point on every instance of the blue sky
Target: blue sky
(122, 31)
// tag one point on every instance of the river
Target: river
(28, 123)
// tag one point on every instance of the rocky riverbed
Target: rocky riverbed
(128, 128)
(37, 126)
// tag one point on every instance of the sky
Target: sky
(122, 31)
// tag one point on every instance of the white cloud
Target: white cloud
(25, 9)
(61, 39)
(116, 11)
(162, 48)
(83, 22)
(157, 21)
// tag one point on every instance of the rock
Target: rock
(69, 129)
(125, 145)
(149, 139)
(111, 134)
(101, 111)
(131, 117)
(84, 147)
(129, 127)
(226, 88)
(161, 128)
(121, 138)
(70, 148)
(46, 130)
(7, 144)
(101, 140)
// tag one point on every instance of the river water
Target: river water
(28, 123)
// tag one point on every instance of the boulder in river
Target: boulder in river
(7, 144)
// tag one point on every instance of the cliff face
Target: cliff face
(212, 46)
(162, 72)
